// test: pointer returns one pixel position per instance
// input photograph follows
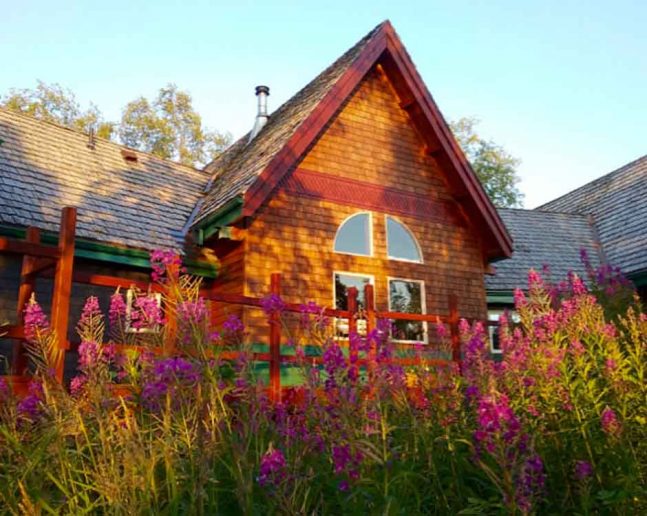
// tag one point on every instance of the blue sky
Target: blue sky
(560, 84)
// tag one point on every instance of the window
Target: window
(408, 296)
(493, 331)
(342, 282)
(143, 312)
(354, 236)
(400, 242)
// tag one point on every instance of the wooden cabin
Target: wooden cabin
(356, 179)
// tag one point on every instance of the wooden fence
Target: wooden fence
(39, 258)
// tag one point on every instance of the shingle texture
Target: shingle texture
(237, 168)
(44, 167)
(618, 204)
(541, 238)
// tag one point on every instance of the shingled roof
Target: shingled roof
(234, 171)
(618, 204)
(139, 204)
(542, 238)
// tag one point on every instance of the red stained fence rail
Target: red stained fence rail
(38, 258)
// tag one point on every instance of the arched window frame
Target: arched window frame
(370, 235)
(411, 234)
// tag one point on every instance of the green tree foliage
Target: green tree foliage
(493, 165)
(170, 128)
(53, 103)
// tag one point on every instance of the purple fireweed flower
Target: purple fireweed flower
(148, 313)
(233, 326)
(535, 280)
(495, 420)
(89, 353)
(29, 408)
(530, 483)
(117, 310)
(609, 422)
(90, 310)
(583, 470)
(5, 392)
(162, 262)
(272, 469)
(77, 384)
(35, 320)
(273, 304)
(192, 312)
(519, 298)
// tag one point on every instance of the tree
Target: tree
(493, 165)
(52, 103)
(170, 128)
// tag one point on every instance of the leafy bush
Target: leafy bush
(558, 426)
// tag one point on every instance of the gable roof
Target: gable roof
(252, 170)
(542, 238)
(618, 204)
(44, 166)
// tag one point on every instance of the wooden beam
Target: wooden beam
(9, 245)
(63, 285)
(275, 342)
(26, 289)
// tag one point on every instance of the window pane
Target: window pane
(406, 297)
(354, 236)
(401, 244)
(342, 283)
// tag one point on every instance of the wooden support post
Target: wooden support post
(63, 285)
(170, 310)
(453, 329)
(371, 320)
(352, 324)
(27, 282)
(275, 342)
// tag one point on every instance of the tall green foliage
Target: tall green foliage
(170, 128)
(494, 166)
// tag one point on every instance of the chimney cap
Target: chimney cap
(262, 89)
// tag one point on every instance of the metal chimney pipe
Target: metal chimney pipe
(262, 92)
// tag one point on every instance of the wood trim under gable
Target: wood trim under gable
(350, 192)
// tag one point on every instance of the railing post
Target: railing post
(369, 301)
(172, 296)
(352, 323)
(453, 329)
(275, 342)
(63, 286)
(27, 282)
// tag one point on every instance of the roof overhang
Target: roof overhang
(386, 50)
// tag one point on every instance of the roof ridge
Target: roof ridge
(78, 132)
(597, 181)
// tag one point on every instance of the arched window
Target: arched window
(354, 235)
(400, 242)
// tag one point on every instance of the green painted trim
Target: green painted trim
(639, 279)
(112, 254)
(230, 212)
(503, 298)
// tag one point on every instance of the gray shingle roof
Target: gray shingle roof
(542, 238)
(236, 169)
(44, 167)
(618, 204)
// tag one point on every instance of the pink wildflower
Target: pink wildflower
(272, 470)
(35, 321)
(609, 422)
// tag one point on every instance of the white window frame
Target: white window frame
(423, 307)
(413, 237)
(130, 300)
(339, 322)
(370, 235)
(493, 314)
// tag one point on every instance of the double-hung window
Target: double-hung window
(408, 296)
